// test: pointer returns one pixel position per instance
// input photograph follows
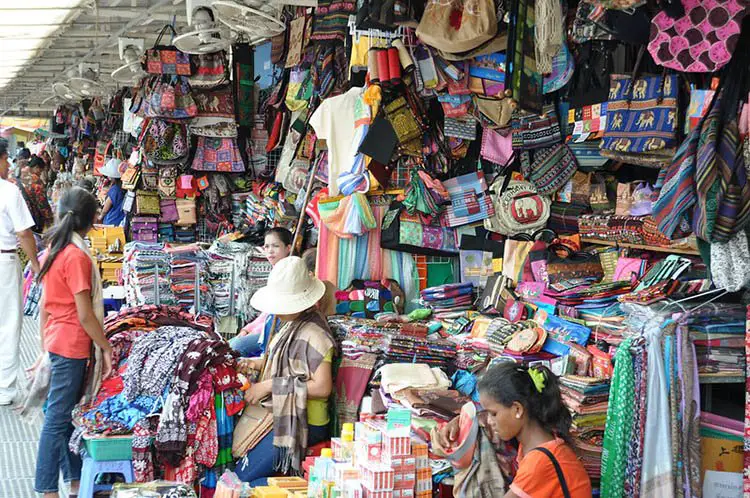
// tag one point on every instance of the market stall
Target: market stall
(547, 183)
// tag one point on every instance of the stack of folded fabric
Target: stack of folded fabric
(188, 267)
(409, 349)
(587, 398)
(563, 217)
(146, 274)
(471, 354)
(718, 331)
(446, 300)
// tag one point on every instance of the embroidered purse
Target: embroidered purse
(416, 234)
(168, 181)
(144, 229)
(218, 154)
(102, 155)
(147, 203)
(642, 115)
(166, 59)
(164, 142)
(211, 70)
(168, 208)
(532, 131)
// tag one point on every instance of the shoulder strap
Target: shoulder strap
(558, 470)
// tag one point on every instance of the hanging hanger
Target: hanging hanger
(722, 292)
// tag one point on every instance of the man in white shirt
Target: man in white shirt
(15, 227)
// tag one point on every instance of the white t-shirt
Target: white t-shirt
(14, 215)
(333, 121)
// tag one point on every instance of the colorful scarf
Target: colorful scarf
(657, 479)
(352, 378)
(634, 464)
(292, 360)
(619, 426)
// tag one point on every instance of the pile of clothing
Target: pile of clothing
(175, 390)
(587, 398)
(409, 349)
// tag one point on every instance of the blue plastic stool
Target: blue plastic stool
(92, 468)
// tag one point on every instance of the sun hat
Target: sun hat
(111, 169)
(290, 289)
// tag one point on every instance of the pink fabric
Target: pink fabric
(200, 399)
(496, 147)
(702, 40)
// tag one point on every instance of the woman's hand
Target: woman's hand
(107, 359)
(258, 392)
(448, 434)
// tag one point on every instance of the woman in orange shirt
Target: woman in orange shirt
(525, 404)
(70, 320)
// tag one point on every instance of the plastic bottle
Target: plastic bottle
(322, 470)
(347, 442)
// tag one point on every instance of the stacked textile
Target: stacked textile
(563, 217)
(471, 354)
(445, 300)
(409, 349)
(150, 317)
(587, 398)
(718, 331)
(146, 274)
(631, 229)
(187, 273)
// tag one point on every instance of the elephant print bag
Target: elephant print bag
(641, 114)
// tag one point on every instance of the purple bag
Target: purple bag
(168, 211)
(144, 228)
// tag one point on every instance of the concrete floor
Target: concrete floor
(19, 439)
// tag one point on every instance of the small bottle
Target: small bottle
(347, 442)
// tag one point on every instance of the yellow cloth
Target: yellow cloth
(317, 409)
(360, 49)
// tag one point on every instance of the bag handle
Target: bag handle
(167, 27)
(558, 470)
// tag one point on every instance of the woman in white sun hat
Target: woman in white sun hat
(112, 213)
(295, 373)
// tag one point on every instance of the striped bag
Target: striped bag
(533, 131)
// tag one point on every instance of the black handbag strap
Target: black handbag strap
(558, 470)
(167, 27)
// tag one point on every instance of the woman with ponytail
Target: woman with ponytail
(71, 320)
(525, 404)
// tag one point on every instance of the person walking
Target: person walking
(16, 223)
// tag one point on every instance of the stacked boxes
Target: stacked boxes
(386, 462)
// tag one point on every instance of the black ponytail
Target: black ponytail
(507, 383)
(76, 211)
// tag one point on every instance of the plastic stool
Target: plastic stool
(92, 468)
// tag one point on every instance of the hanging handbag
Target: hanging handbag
(470, 201)
(416, 234)
(166, 59)
(164, 142)
(533, 131)
(147, 203)
(168, 181)
(102, 154)
(496, 147)
(211, 70)
(130, 177)
(551, 168)
(218, 154)
(458, 25)
(168, 208)
(702, 39)
(524, 83)
(171, 98)
(149, 177)
(216, 103)
(186, 212)
(642, 116)
(518, 208)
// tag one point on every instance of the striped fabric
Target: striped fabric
(676, 187)
(331, 20)
(734, 207)
(705, 176)
(469, 200)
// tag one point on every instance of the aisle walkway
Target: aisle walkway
(18, 440)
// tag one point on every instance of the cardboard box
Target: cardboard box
(395, 446)
(404, 480)
(376, 477)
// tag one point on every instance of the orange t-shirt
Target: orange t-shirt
(69, 274)
(536, 476)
